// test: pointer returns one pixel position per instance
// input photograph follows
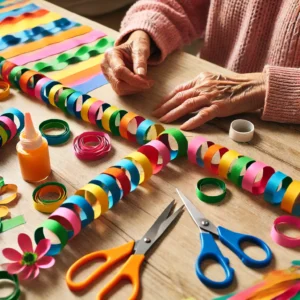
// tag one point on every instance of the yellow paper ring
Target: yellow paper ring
(290, 197)
(9, 188)
(85, 109)
(106, 117)
(100, 201)
(226, 161)
(144, 162)
(53, 92)
(4, 211)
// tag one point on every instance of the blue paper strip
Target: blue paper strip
(91, 84)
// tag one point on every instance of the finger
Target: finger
(188, 106)
(185, 86)
(140, 55)
(203, 116)
(121, 72)
(177, 100)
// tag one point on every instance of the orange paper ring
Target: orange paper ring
(210, 153)
(25, 83)
(125, 123)
(5, 90)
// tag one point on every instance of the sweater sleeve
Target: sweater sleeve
(282, 103)
(170, 23)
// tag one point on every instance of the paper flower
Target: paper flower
(28, 264)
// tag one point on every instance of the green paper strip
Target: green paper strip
(15, 295)
(237, 168)
(11, 223)
(1, 181)
(83, 53)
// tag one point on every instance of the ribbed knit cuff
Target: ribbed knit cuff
(282, 103)
(158, 27)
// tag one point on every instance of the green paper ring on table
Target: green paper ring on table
(182, 143)
(238, 166)
(145, 128)
(115, 119)
(48, 206)
(55, 124)
(15, 295)
(106, 117)
(63, 98)
(15, 74)
(211, 181)
(289, 200)
(56, 228)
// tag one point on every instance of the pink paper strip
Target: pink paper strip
(58, 48)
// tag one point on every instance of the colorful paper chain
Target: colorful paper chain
(36, 33)
(9, 126)
(69, 58)
(105, 190)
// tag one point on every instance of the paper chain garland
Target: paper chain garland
(36, 33)
(105, 190)
(82, 54)
(8, 125)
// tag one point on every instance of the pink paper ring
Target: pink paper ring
(11, 126)
(193, 150)
(284, 240)
(159, 148)
(68, 219)
(38, 87)
(93, 111)
(249, 183)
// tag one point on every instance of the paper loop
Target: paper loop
(182, 143)
(4, 90)
(57, 139)
(75, 101)
(241, 131)
(289, 199)
(86, 107)
(194, 150)
(4, 212)
(129, 124)
(282, 239)
(28, 80)
(226, 162)
(110, 186)
(153, 150)
(14, 113)
(63, 99)
(115, 119)
(272, 192)
(211, 181)
(92, 145)
(139, 159)
(238, 166)
(106, 117)
(15, 295)
(249, 184)
(9, 126)
(46, 205)
(82, 207)
(15, 74)
(147, 127)
(54, 93)
(6, 68)
(68, 219)
(95, 112)
(129, 166)
(8, 188)
(209, 155)
(46, 88)
(38, 87)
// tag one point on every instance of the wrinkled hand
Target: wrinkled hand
(215, 96)
(125, 66)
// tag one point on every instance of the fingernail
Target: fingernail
(141, 71)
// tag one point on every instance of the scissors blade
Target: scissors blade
(161, 224)
(197, 216)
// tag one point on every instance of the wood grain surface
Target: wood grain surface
(168, 272)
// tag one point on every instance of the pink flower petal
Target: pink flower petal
(42, 247)
(4, 266)
(45, 262)
(25, 242)
(35, 272)
(15, 268)
(12, 254)
(26, 272)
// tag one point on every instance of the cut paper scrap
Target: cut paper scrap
(24, 53)
(8, 224)
(92, 62)
(90, 84)
(19, 11)
(36, 33)
(35, 20)
(83, 53)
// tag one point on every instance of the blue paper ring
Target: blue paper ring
(271, 194)
(71, 103)
(142, 130)
(46, 89)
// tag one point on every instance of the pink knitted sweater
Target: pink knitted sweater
(241, 35)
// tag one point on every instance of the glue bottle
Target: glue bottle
(33, 153)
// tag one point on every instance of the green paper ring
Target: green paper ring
(112, 121)
(14, 278)
(238, 166)
(62, 99)
(211, 199)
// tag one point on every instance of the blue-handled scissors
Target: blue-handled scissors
(232, 240)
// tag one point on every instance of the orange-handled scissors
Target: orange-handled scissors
(136, 250)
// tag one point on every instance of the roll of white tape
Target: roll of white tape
(241, 130)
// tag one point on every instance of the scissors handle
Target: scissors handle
(131, 272)
(210, 250)
(112, 256)
(233, 241)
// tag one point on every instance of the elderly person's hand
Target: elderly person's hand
(125, 66)
(215, 96)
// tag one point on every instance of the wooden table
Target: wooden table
(169, 271)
